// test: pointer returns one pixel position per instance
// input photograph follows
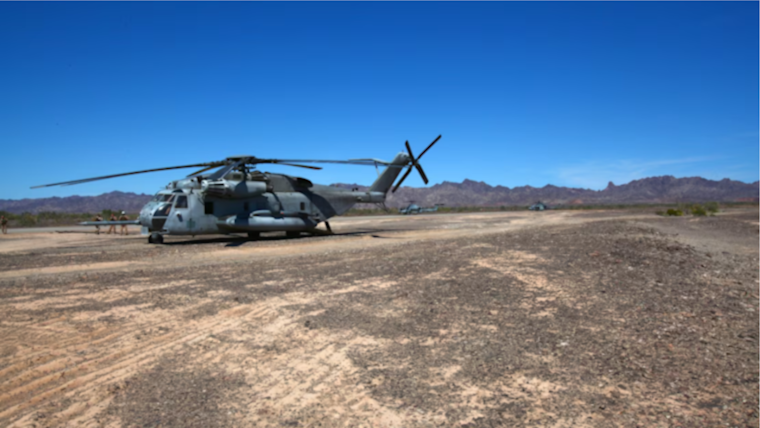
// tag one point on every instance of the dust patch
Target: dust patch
(65, 269)
(177, 397)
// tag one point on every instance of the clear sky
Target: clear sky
(573, 94)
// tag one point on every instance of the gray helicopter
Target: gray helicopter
(413, 208)
(236, 198)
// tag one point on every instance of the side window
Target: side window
(181, 202)
(208, 208)
(303, 206)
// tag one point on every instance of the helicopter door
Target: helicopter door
(180, 207)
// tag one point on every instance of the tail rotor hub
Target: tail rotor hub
(414, 163)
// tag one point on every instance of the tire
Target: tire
(292, 234)
(155, 238)
(254, 235)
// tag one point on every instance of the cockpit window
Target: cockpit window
(161, 197)
(162, 211)
(181, 202)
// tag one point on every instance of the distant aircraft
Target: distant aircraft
(416, 209)
(538, 206)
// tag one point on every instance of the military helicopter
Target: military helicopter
(236, 198)
(413, 208)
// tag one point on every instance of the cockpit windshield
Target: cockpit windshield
(162, 197)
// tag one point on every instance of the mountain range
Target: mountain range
(663, 189)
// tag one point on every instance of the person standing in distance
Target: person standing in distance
(4, 222)
(98, 217)
(124, 217)
(113, 226)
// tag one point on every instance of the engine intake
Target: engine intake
(233, 189)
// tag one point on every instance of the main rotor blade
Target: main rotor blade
(377, 161)
(365, 162)
(428, 147)
(402, 179)
(221, 172)
(203, 170)
(104, 177)
(300, 166)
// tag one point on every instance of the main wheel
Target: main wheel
(254, 235)
(156, 238)
(292, 234)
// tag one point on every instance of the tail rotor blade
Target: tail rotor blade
(422, 173)
(415, 161)
(409, 150)
(402, 179)
(428, 147)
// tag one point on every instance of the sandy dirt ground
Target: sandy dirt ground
(618, 318)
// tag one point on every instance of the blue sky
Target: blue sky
(573, 94)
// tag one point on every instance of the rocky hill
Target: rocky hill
(129, 202)
(664, 189)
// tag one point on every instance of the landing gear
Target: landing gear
(292, 234)
(320, 232)
(156, 238)
(254, 235)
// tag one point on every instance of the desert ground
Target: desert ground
(616, 318)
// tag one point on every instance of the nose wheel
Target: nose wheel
(156, 238)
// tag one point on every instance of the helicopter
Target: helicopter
(237, 198)
(413, 208)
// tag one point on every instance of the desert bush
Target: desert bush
(27, 220)
(675, 212)
(698, 210)
(660, 212)
(712, 207)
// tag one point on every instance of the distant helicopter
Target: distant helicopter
(538, 206)
(416, 209)
(238, 199)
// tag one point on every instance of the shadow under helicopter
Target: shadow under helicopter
(236, 241)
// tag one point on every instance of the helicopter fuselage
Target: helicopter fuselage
(254, 202)
(236, 199)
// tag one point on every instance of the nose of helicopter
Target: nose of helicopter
(146, 214)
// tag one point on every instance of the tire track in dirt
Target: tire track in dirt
(301, 375)
(106, 368)
(34, 371)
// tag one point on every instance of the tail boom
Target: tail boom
(392, 171)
